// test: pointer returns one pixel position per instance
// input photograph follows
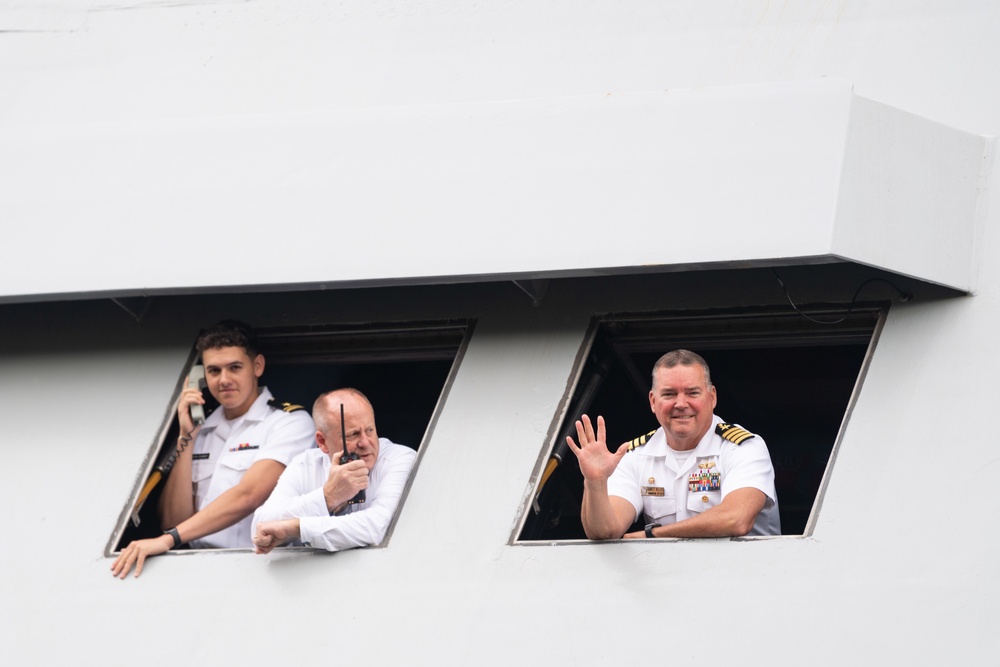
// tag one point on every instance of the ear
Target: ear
(321, 443)
(652, 402)
(258, 365)
(715, 397)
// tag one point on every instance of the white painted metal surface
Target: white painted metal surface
(696, 175)
(900, 568)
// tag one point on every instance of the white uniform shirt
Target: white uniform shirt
(299, 495)
(224, 451)
(664, 490)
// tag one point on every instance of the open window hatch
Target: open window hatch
(789, 378)
(384, 362)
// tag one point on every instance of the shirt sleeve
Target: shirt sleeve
(748, 465)
(288, 435)
(365, 524)
(623, 484)
(289, 500)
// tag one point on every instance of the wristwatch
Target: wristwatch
(649, 529)
(177, 538)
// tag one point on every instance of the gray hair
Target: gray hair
(682, 358)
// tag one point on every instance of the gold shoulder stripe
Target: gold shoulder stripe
(733, 434)
(284, 405)
(640, 441)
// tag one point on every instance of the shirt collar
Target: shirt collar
(260, 409)
(709, 445)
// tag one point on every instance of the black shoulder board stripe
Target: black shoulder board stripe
(640, 441)
(733, 434)
(282, 405)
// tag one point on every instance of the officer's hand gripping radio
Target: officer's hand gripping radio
(353, 456)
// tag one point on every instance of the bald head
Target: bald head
(359, 425)
(326, 409)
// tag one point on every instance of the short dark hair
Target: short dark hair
(682, 358)
(229, 333)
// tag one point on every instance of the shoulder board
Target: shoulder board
(282, 405)
(733, 434)
(640, 441)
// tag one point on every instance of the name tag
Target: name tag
(652, 491)
(200, 457)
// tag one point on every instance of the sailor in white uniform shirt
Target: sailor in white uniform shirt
(225, 468)
(693, 478)
(311, 503)
(668, 486)
(225, 449)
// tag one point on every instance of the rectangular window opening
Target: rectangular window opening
(778, 374)
(384, 361)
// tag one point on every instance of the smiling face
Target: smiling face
(683, 404)
(231, 376)
(359, 427)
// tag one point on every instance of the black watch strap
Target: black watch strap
(649, 529)
(177, 537)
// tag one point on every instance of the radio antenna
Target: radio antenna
(343, 430)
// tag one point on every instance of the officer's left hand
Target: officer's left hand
(137, 552)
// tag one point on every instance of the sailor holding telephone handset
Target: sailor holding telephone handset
(228, 466)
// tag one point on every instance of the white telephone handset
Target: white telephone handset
(196, 380)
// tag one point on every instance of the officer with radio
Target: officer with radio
(227, 464)
(695, 476)
(342, 495)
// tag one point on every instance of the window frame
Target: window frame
(395, 333)
(689, 338)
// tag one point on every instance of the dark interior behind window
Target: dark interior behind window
(401, 368)
(779, 375)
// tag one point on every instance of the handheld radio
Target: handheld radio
(353, 456)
